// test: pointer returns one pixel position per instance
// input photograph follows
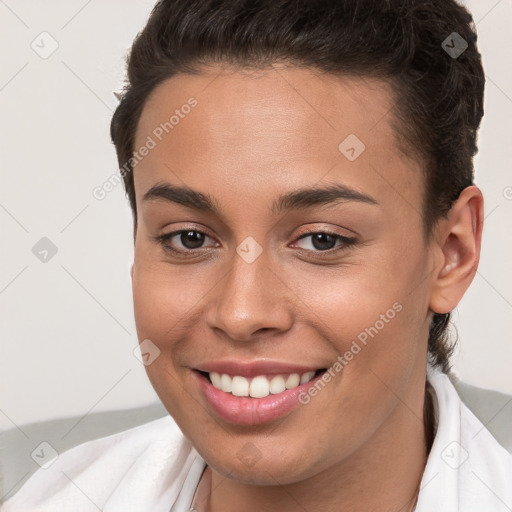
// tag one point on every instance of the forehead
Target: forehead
(293, 101)
(273, 129)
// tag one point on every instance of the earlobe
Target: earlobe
(459, 240)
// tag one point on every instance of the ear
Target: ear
(457, 242)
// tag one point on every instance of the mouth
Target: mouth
(259, 386)
(251, 400)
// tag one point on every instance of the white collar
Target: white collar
(467, 469)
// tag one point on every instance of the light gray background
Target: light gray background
(67, 325)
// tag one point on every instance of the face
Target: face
(254, 279)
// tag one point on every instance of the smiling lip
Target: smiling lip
(254, 369)
(247, 410)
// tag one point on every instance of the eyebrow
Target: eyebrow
(300, 199)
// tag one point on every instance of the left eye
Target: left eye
(323, 241)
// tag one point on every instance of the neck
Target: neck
(385, 474)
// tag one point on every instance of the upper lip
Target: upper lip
(255, 368)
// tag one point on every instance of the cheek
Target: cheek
(356, 304)
(164, 305)
(165, 299)
(372, 330)
(370, 317)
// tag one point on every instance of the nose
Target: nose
(250, 300)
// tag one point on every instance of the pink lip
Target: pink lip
(251, 411)
(255, 368)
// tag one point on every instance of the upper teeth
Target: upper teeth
(258, 387)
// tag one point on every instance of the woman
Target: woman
(305, 219)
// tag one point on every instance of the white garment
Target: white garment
(154, 468)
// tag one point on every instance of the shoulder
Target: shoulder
(141, 460)
(477, 416)
(467, 468)
(492, 408)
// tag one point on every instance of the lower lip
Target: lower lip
(251, 411)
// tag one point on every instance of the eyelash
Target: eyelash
(346, 242)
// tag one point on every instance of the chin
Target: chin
(270, 465)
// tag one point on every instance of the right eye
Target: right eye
(183, 241)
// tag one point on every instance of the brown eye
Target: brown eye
(191, 239)
(325, 241)
(185, 240)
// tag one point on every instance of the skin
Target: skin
(253, 136)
